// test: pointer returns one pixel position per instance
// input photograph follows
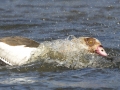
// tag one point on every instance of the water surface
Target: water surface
(43, 20)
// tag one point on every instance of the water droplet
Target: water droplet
(118, 23)
(43, 19)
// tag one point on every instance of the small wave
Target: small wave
(77, 60)
(58, 64)
(54, 58)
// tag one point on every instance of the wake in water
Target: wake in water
(72, 57)
(77, 60)
(71, 52)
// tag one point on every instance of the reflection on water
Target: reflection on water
(57, 19)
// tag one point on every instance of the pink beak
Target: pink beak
(101, 51)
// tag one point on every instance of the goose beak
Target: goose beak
(100, 50)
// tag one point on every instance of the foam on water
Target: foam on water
(66, 53)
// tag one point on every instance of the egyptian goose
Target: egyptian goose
(20, 50)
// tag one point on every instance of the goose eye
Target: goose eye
(90, 41)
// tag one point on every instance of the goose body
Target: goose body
(20, 50)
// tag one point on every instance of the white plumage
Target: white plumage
(19, 50)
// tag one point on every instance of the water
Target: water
(43, 20)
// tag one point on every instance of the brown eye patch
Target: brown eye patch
(90, 41)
